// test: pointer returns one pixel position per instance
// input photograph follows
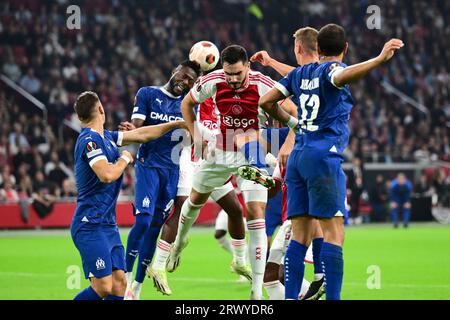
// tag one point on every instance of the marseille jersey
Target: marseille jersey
(155, 105)
(323, 109)
(96, 201)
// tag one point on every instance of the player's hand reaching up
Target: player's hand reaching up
(126, 126)
(261, 57)
(389, 48)
(128, 155)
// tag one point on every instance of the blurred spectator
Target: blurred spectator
(7, 193)
(30, 83)
(43, 196)
(400, 196)
(379, 196)
(17, 139)
(355, 184)
(423, 187)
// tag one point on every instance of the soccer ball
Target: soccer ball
(206, 54)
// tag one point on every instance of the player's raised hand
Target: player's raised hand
(261, 57)
(126, 126)
(127, 154)
(389, 49)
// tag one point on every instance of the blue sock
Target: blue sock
(406, 216)
(254, 154)
(135, 238)
(316, 248)
(87, 294)
(333, 267)
(113, 297)
(148, 247)
(294, 269)
(394, 216)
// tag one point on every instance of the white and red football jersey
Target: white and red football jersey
(236, 109)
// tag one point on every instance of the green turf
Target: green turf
(413, 264)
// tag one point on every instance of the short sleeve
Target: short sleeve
(204, 88)
(92, 148)
(332, 70)
(116, 137)
(285, 84)
(141, 107)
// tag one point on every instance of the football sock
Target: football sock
(129, 276)
(275, 290)
(294, 269)
(147, 250)
(136, 288)
(225, 243)
(135, 238)
(333, 267)
(254, 154)
(257, 253)
(161, 255)
(406, 216)
(189, 213)
(87, 294)
(113, 297)
(316, 248)
(394, 216)
(239, 248)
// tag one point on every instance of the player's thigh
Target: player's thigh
(95, 251)
(187, 169)
(229, 201)
(327, 189)
(168, 190)
(297, 191)
(277, 248)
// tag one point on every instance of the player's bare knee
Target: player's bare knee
(103, 287)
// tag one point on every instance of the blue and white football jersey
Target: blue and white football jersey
(96, 201)
(155, 105)
(323, 109)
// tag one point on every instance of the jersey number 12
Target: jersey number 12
(313, 101)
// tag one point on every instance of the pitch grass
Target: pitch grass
(412, 264)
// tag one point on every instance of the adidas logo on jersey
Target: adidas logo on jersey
(236, 96)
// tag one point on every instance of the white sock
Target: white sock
(189, 213)
(239, 250)
(257, 253)
(129, 277)
(318, 276)
(275, 290)
(161, 255)
(225, 244)
(136, 288)
(304, 288)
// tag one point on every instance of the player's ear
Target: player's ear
(346, 48)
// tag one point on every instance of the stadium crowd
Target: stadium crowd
(122, 46)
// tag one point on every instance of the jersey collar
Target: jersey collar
(167, 93)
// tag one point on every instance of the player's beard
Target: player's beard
(177, 87)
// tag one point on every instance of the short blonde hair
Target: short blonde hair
(308, 38)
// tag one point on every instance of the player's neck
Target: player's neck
(95, 125)
(307, 59)
(324, 59)
(169, 89)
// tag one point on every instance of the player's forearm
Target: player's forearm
(274, 111)
(355, 72)
(281, 68)
(113, 171)
(148, 133)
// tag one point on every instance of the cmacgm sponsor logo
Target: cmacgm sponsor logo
(164, 117)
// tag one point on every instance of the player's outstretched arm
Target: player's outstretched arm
(147, 133)
(268, 103)
(266, 60)
(110, 172)
(357, 71)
